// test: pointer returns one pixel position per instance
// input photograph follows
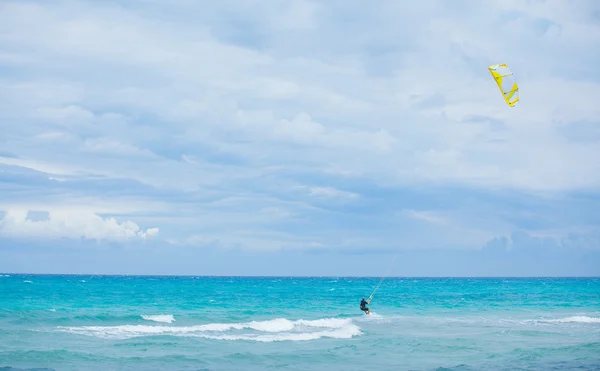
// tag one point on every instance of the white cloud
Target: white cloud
(114, 147)
(407, 143)
(38, 166)
(219, 116)
(428, 216)
(71, 224)
(69, 115)
(83, 202)
(331, 192)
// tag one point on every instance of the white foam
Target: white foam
(279, 329)
(276, 325)
(27, 281)
(300, 336)
(164, 318)
(325, 322)
(574, 319)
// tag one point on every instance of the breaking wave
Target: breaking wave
(574, 319)
(164, 318)
(280, 329)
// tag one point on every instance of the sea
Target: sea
(69, 322)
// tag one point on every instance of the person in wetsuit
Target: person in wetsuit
(363, 306)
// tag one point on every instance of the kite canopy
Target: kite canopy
(506, 82)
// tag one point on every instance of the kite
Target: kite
(506, 82)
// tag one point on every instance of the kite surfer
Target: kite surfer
(363, 306)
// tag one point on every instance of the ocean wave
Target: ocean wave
(280, 329)
(574, 319)
(418, 321)
(164, 318)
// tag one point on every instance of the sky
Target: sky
(296, 137)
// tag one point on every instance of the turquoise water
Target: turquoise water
(210, 323)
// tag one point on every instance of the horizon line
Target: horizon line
(271, 276)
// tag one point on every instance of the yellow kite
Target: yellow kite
(506, 82)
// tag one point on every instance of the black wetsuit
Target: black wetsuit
(363, 305)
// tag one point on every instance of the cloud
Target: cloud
(37, 165)
(428, 216)
(317, 104)
(72, 225)
(69, 115)
(329, 192)
(302, 125)
(521, 242)
(207, 257)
